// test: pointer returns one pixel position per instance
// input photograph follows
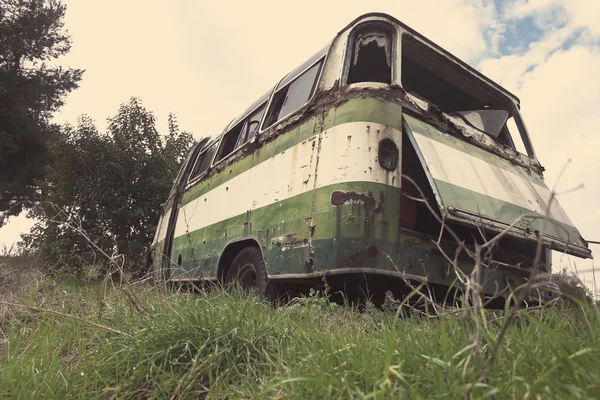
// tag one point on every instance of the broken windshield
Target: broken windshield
(432, 79)
(489, 122)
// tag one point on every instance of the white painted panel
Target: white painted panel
(345, 153)
(461, 169)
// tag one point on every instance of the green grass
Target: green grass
(218, 345)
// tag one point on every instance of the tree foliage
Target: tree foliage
(111, 183)
(32, 88)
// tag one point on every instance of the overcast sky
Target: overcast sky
(207, 61)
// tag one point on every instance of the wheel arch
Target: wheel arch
(231, 250)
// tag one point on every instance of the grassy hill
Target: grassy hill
(64, 340)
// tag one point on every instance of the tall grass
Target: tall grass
(216, 345)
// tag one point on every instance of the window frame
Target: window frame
(523, 132)
(322, 60)
(245, 121)
(394, 60)
(267, 104)
(221, 141)
(241, 121)
(203, 151)
(188, 166)
(510, 106)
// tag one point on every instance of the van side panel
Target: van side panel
(282, 194)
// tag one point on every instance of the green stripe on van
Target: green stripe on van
(287, 224)
(354, 110)
(465, 199)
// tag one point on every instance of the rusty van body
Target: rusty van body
(381, 157)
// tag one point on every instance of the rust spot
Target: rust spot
(294, 244)
(379, 208)
(309, 265)
(338, 95)
(339, 198)
(363, 254)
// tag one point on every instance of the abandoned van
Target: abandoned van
(381, 159)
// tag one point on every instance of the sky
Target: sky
(207, 61)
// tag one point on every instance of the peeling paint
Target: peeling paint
(368, 252)
(358, 224)
(340, 198)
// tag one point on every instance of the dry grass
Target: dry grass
(85, 341)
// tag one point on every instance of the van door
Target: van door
(165, 231)
(475, 187)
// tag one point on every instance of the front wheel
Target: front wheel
(248, 271)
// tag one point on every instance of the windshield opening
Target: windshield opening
(429, 77)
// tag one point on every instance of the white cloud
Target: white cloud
(549, 13)
(510, 70)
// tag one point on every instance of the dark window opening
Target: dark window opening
(430, 77)
(244, 131)
(250, 127)
(294, 95)
(203, 161)
(416, 216)
(228, 142)
(371, 57)
(186, 170)
(439, 81)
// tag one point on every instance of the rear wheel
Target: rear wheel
(248, 272)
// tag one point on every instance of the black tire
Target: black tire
(248, 271)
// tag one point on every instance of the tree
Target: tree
(31, 90)
(112, 183)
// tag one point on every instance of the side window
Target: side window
(292, 96)
(240, 133)
(228, 143)
(203, 161)
(251, 126)
(186, 169)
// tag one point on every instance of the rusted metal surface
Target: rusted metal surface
(363, 254)
(358, 215)
(339, 198)
(475, 188)
(337, 96)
